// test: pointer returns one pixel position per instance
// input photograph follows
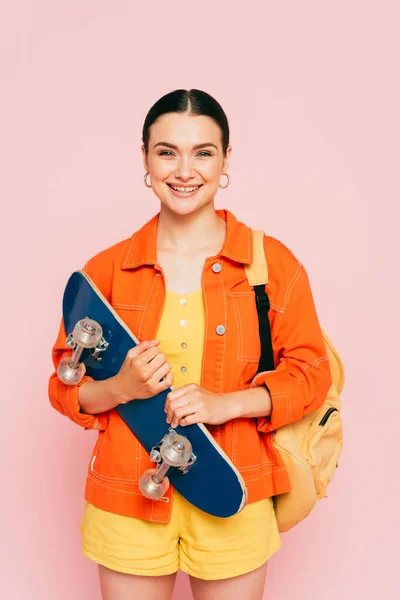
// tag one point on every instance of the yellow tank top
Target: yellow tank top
(181, 335)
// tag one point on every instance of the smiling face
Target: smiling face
(185, 160)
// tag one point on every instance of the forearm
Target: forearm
(250, 403)
(98, 396)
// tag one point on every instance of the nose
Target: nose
(184, 168)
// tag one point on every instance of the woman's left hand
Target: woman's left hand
(193, 404)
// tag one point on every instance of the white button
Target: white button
(220, 330)
(183, 369)
(184, 345)
(216, 268)
(183, 322)
(183, 301)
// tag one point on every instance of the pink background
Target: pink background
(312, 92)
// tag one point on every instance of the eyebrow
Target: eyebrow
(196, 147)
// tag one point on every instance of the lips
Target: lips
(184, 188)
(184, 191)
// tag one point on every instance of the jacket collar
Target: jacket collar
(237, 246)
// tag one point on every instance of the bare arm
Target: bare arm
(193, 404)
(98, 396)
(144, 373)
(250, 403)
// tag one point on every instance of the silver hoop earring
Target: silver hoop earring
(145, 180)
(228, 180)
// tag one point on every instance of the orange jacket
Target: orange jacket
(130, 278)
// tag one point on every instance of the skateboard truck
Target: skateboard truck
(101, 347)
(86, 334)
(174, 450)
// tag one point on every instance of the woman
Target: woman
(180, 285)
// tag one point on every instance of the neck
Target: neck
(188, 232)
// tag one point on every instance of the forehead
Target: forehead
(182, 129)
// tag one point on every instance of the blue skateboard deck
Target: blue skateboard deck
(213, 483)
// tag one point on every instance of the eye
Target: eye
(165, 153)
(204, 153)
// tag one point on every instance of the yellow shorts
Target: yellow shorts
(201, 545)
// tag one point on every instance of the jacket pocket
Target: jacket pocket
(131, 315)
(117, 455)
(242, 312)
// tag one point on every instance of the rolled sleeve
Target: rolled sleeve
(65, 398)
(301, 380)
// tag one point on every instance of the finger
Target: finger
(150, 354)
(141, 348)
(147, 356)
(150, 369)
(181, 391)
(173, 406)
(184, 411)
(194, 416)
(197, 417)
(165, 383)
(160, 374)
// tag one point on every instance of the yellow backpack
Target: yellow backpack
(309, 448)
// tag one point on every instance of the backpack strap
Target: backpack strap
(257, 275)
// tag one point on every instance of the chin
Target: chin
(184, 208)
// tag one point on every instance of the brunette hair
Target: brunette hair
(193, 102)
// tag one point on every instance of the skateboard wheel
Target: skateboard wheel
(68, 375)
(150, 488)
(87, 333)
(176, 450)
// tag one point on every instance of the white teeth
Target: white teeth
(185, 190)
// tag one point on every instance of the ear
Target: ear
(144, 157)
(227, 159)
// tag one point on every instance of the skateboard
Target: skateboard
(187, 457)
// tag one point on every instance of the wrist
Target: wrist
(250, 403)
(116, 395)
(235, 404)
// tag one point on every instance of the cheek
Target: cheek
(160, 169)
(210, 171)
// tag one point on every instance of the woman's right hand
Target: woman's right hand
(144, 373)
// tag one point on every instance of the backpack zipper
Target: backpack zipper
(327, 415)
